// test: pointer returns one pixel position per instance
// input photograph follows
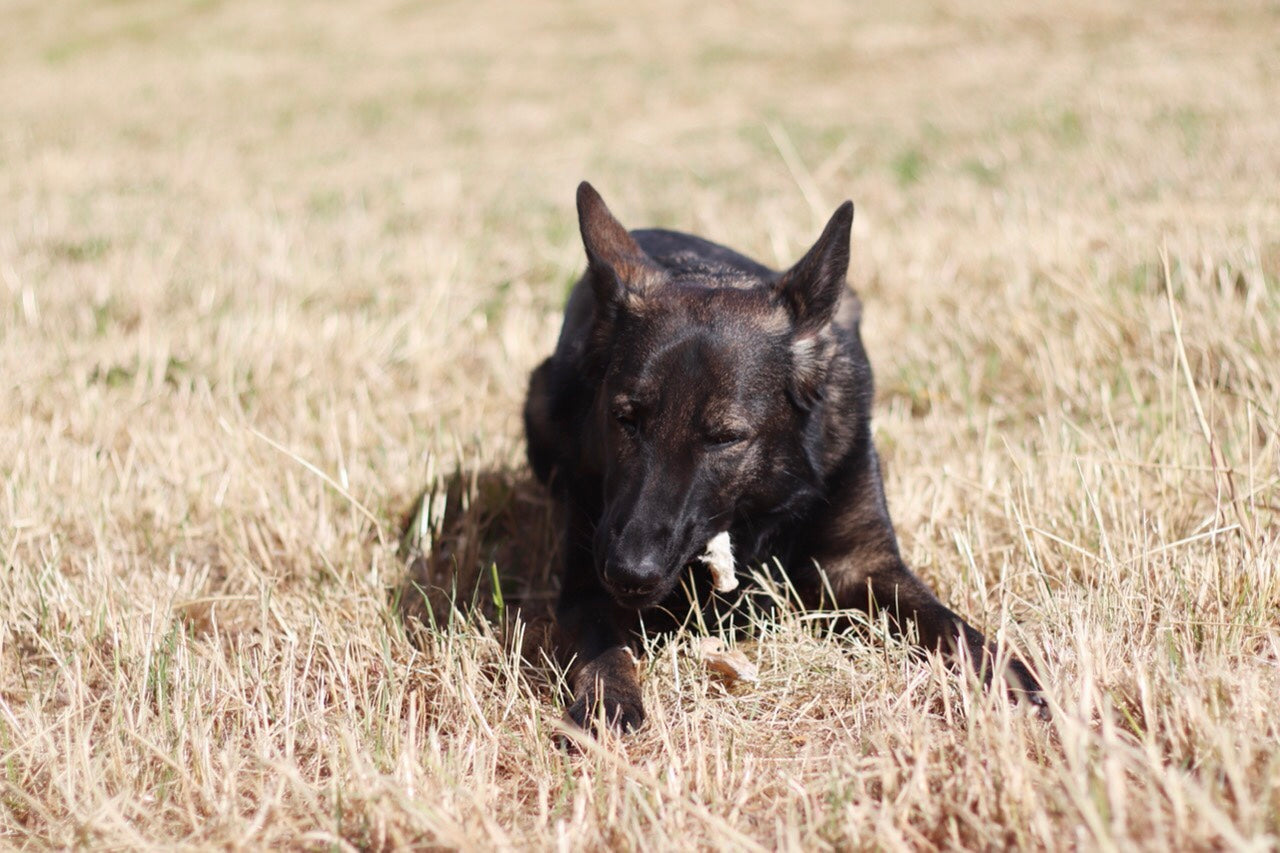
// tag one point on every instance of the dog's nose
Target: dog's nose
(635, 577)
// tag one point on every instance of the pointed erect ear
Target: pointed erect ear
(618, 267)
(811, 289)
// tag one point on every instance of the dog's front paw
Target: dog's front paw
(623, 714)
(608, 690)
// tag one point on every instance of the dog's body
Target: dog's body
(694, 391)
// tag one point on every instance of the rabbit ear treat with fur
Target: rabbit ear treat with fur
(719, 558)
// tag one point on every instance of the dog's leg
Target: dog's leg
(865, 571)
(594, 631)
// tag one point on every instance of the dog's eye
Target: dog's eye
(720, 440)
(627, 420)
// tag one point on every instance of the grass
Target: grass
(267, 272)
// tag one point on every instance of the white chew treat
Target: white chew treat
(719, 558)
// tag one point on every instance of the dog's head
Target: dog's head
(706, 409)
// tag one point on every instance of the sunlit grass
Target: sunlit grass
(267, 272)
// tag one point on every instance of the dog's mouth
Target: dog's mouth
(637, 598)
(645, 597)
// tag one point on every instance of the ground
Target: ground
(268, 271)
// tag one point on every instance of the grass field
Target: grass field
(268, 271)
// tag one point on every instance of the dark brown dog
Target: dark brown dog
(694, 391)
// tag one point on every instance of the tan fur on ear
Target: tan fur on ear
(811, 292)
(810, 355)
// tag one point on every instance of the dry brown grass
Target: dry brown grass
(267, 270)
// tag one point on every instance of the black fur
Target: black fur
(694, 391)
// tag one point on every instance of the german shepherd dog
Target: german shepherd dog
(694, 392)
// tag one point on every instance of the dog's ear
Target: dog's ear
(810, 291)
(619, 269)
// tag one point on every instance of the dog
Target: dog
(695, 392)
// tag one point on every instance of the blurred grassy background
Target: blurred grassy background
(238, 240)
